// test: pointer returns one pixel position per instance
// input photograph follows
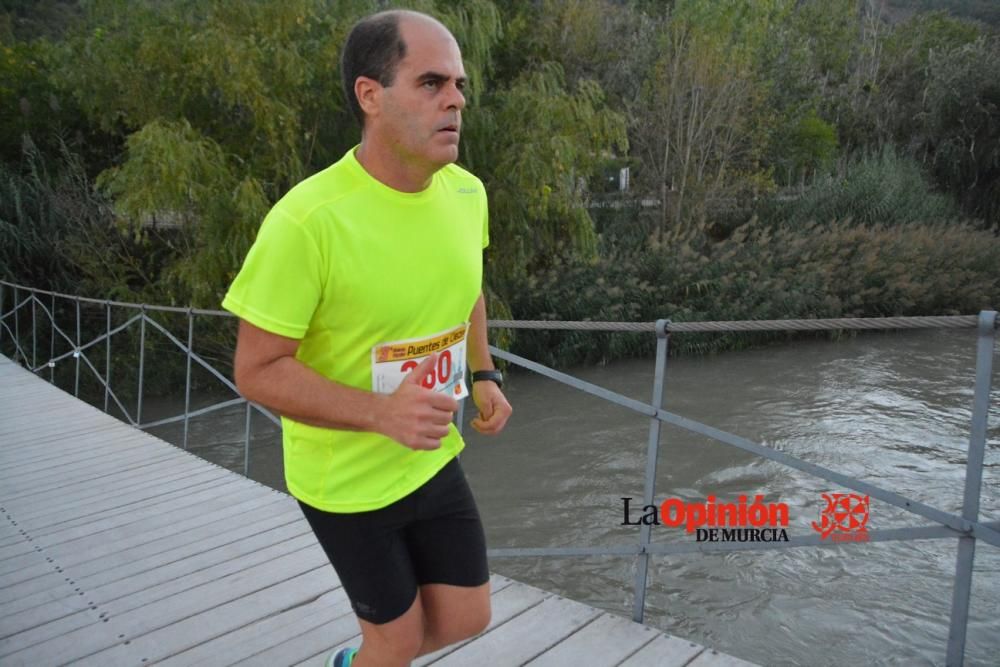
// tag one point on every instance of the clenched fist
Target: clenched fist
(413, 415)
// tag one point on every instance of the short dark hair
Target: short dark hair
(373, 49)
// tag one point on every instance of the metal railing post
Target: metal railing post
(973, 485)
(652, 454)
(17, 325)
(76, 352)
(187, 378)
(34, 332)
(142, 362)
(246, 444)
(107, 354)
(52, 341)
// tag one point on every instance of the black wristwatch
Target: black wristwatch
(495, 376)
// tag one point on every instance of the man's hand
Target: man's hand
(413, 415)
(494, 410)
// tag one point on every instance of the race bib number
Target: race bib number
(393, 361)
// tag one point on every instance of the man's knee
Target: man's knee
(457, 627)
(480, 620)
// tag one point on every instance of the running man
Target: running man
(361, 309)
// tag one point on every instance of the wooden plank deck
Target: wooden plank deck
(117, 548)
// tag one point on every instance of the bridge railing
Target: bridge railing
(19, 303)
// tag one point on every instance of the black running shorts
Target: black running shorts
(432, 536)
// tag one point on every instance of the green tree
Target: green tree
(222, 106)
(541, 130)
(612, 43)
(806, 148)
(701, 125)
(962, 110)
(907, 54)
(533, 142)
(819, 66)
(26, 97)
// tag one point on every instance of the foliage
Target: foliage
(987, 11)
(883, 188)
(58, 233)
(963, 122)
(806, 147)
(812, 47)
(27, 21)
(143, 141)
(23, 90)
(834, 269)
(908, 51)
(700, 125)
(534, 136)
(33, 223)
(534, 144)
(196, 191)
(30, 104)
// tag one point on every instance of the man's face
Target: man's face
(419, 116)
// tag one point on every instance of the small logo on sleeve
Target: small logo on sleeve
(468, 191)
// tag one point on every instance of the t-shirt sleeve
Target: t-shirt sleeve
(280, 284)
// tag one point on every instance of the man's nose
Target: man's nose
(456, 100)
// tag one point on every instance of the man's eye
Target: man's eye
(430, 84)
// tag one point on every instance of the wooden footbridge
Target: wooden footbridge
(117, 548)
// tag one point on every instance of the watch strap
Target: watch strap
(494, 376)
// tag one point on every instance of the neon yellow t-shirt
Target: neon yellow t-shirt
(344, 262)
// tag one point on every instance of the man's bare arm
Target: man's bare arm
(494, 410)
(479, 346)
(267, 372)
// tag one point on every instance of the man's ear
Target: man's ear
(368, 91)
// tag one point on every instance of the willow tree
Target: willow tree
(535, 136)
(221, 107)
(534, 142)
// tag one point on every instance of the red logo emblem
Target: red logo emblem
(845, 518)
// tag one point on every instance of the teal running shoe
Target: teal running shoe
(342, 658)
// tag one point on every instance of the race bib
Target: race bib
(393, 361)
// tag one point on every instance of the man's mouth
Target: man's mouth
(449, 128)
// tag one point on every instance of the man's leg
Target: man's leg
(415, 571)
(447, 547)
(453, 613)
(370, 556)
(392, 644)
(441, 615)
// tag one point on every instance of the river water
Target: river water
(891, 409)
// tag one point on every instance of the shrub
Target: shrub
(837, 269)
(882, 188)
